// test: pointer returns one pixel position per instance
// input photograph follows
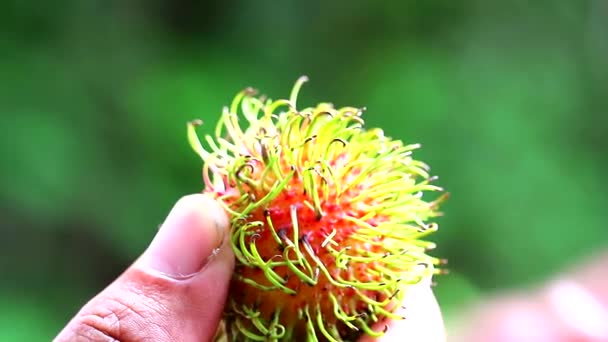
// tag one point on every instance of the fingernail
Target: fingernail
(191, 234)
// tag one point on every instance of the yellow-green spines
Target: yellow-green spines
(327, 218)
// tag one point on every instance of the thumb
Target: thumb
(175, 291)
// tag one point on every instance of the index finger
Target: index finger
(422, 319)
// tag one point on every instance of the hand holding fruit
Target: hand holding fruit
(177, 289)
(326, 238)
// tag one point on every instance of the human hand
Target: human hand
(572, 307)
(177, 289)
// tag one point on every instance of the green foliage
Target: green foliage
(507, 98)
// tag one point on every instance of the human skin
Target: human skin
(176, 290)
(570, 307)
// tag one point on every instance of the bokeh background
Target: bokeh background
(508, 99)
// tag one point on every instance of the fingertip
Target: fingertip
(203, 209)
(422, 320)
(188, 239)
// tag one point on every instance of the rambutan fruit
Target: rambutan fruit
(327, 219)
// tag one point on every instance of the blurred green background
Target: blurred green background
(508, 99)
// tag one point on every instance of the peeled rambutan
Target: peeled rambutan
(327, 219)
